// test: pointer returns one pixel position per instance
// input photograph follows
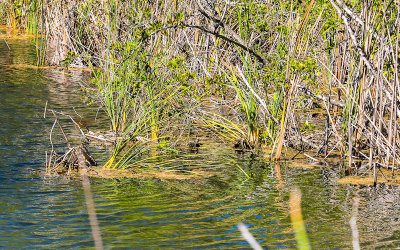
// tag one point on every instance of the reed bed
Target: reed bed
(252, 73)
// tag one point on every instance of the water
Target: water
(40, 212)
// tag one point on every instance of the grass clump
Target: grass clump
(249, 71)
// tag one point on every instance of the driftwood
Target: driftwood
(75, 158)
(84, 158)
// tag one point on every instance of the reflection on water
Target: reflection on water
(203, 213)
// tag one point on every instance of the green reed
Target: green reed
(263, 54)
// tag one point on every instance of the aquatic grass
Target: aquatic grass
(32, 16)
(23, 14)
(248, 97)
(117, 101)
(130, 145)
(276, 108)
(224, 127)
(275, 57)
(248, 106)
(134, 142)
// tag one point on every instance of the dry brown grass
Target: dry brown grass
(283, 56)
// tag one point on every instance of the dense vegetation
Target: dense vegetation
(251, 72)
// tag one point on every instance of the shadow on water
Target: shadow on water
(43, 212)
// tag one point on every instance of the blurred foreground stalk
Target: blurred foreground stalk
(297, 220)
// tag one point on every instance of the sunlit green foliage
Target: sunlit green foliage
(264, 59)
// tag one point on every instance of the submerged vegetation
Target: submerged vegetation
(263, 76)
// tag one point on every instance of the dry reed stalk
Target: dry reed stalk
(353, 64)
(293, 85)
(395, 94)
(282, 130)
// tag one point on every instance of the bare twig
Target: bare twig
(242, 46)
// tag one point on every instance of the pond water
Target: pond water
(43, 212)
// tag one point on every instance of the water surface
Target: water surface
(42, 212)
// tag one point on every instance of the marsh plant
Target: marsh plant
(247, 69)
